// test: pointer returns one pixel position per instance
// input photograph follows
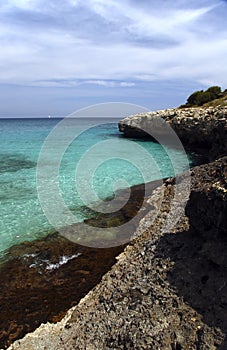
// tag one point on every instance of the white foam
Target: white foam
(29, 255)
(50, 266)
(63, 260)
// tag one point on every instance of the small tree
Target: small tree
(204, 97)
(198, 98)
(194, 97)
(214, 91)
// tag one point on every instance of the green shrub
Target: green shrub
(194, 97)
(214, 90)
(198, 98)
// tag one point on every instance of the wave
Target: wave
(47, 264)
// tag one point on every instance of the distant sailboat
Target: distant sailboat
(49, 116)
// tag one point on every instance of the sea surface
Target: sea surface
(21, 140)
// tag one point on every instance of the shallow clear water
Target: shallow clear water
(21, 216)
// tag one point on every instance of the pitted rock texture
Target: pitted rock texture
(168, 290)
(200, 129)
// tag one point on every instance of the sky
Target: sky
(60, 55)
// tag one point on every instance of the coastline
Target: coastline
(165, 291)
(152, 268)
(200, 129)
(35, 274)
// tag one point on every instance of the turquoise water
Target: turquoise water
(21, 216)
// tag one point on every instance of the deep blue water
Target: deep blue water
(21, 216)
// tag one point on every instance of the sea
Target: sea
(90, 147)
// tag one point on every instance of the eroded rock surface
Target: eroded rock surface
(167, 291)
(200, 129)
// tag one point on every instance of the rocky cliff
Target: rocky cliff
(203, 130)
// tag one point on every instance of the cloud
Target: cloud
(126, 84)
(76, 83)
(112, 43)
(109, 83)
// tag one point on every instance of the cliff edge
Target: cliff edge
(200, 129)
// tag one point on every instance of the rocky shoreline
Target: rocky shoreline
(168, 290)
(36, 275)
(201, 129)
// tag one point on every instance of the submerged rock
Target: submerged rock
(168, 289)
(42, 279)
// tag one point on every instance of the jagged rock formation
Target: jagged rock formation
(201, 129)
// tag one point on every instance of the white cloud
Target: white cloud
(126, 84)
(23, 4)
(113, 43)
(109, 83)
(76, 83)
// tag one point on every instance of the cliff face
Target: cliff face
(199, 129)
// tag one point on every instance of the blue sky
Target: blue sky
(58, 56)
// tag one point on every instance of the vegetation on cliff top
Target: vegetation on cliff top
(213, 96)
